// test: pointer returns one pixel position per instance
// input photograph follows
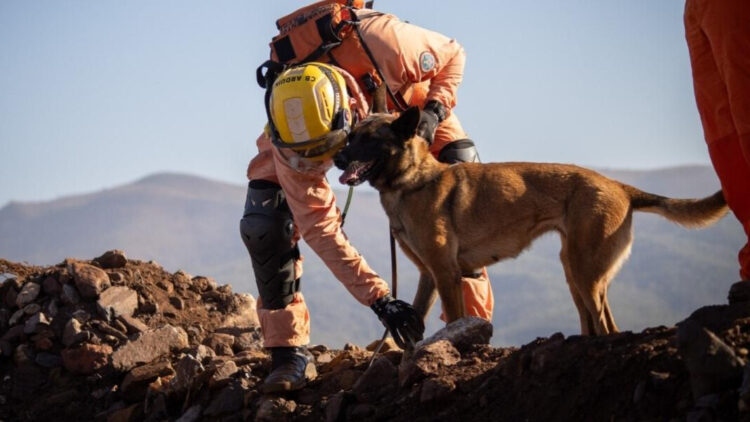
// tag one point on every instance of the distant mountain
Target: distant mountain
(187, 222)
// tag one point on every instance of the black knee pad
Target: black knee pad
(460, 151)
(267, 229)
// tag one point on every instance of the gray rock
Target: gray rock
(11, 294)
(4, 319)
(229, 400)
(6, 349)
(109, 330)
(22, 355)
(272, 409)
(427, 361)
(193, 414)
(52, 308)
(177, 302)
(381, 375)
(16, 317)
(51, 287)
(220, 343)
(246, 315)
(435, 389)
(336, 406)
(89, 280)
(81, 315)
(136, 382)
(186, 369)
(117, 301)
(713, 365)
(202, 284)
(132, 324)
(48, 360)
(148, 346)
(31, 308)
(361, 411)
(28, 294)
(73, 333)
(222, 374)
(250, 340)
(462, 333)
(203, 353)
(112, 259)
(13, 334)
(33, 324)
(69, 295)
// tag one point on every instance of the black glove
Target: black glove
(429, 118)
(400, 319)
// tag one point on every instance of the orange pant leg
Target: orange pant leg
(718, 37)
(478, 298)
(289, 326)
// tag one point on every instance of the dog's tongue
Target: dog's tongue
(351, 174)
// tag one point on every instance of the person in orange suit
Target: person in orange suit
(718, 38)
(289, 196)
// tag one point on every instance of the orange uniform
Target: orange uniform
(420, 64)
(718, 37)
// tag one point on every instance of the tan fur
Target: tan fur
(451, 220)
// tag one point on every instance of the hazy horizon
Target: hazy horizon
(335, 185)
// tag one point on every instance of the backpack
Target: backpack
(325, 31)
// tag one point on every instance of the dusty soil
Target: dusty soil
(213, 370)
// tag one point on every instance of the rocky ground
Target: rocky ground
(113, 339)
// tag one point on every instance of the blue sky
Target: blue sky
(94, 94)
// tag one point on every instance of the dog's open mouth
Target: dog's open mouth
(356, 172)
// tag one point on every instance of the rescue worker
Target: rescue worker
(718, 38)
(311, 108)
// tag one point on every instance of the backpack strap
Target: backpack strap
(397, 100)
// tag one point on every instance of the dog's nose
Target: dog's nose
(340, 160)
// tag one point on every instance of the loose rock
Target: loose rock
(149, 346)
(89, 280)
(117, 301)
(112, 259)
(28, 294)
(87, 358)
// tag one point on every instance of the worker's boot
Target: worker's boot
(291, 369)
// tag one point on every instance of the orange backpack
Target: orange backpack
(325, 31)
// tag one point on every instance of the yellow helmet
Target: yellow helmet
(309, 109)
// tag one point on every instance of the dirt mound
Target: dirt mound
(113, 339)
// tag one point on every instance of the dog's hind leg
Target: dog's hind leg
(587, 323)
(593, 263)
(611, 326)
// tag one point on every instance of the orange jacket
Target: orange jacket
(407, 55)
(413, 59)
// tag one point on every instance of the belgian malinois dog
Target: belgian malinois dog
(452, 219)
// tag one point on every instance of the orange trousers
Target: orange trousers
(718, 37)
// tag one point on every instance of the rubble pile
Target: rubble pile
(118, 340)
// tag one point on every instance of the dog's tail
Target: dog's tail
(687, 212)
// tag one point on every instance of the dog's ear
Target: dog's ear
(406, 124)
(379, 101)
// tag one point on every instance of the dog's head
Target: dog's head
(378, 148)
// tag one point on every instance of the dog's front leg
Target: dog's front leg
(426, 295)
